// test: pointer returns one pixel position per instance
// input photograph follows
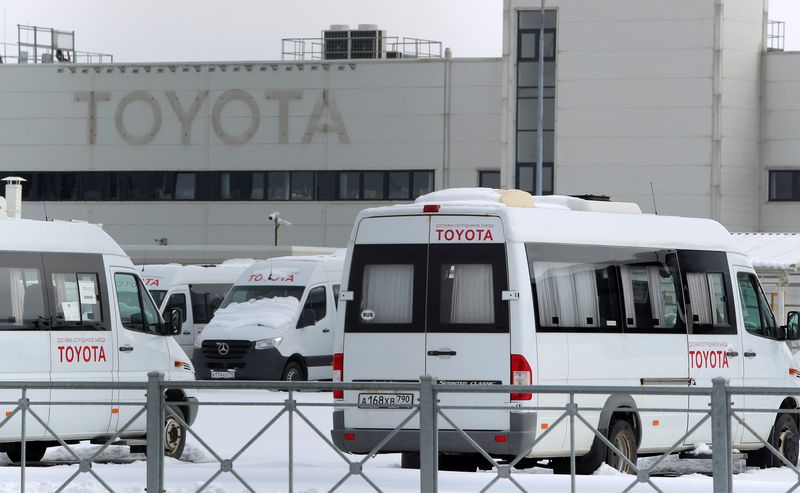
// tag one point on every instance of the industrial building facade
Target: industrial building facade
(677, 106)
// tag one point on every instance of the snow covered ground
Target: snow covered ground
(317, 468)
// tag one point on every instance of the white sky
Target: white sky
(187, 30)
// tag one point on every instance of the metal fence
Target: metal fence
(427, 408)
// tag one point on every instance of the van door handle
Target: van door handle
(325, 331)
(732, 353)
(126, 348)
(441, 353)
(749, 354)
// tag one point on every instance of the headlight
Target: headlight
(198, 343)
(268, 343)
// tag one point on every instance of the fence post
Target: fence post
(155, 432)
(721, 435)
(428, 436)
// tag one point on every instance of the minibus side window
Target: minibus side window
(206, 299)
(77, 299)
(316, 302)
(21, 299)
(651, 293)
(176, 300)
(758, 318)
(335, 289)
(136, 310)
(575, 288)
(708, 291)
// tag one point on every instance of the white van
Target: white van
(196, 290)
(261, 332)
(483, 286)
(73, 308)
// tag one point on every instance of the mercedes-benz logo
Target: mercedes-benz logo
(223, 348)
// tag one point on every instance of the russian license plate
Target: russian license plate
(223, 374)
(391, 401)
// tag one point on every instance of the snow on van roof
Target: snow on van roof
(195, 274)
(56, 236)
(771, 251)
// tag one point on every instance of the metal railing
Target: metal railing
(427, 408)
(14, 54)
(776, 35)
(354, 48)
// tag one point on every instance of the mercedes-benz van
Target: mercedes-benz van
(483, 286)
(275, 323)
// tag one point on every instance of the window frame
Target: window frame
(752, 279)
(141, 294)
(77, 263)
(29, 261)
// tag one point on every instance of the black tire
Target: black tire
(624, 438)
(458, 462)
(784, 437)
(293, 372)
(34, 451)
(174, 435)
(409, 460)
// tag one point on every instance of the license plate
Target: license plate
(390, 401)
(223, 374)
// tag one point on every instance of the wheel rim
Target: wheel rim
(292, 374)
(173, 434)
(623, 443)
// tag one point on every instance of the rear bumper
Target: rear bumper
(518, 438)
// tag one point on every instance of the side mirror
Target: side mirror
(306, 319)
(793, 326)
(174, 325)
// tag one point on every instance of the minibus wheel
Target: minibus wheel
(34, 451)
(785, 438)
(409, 460)
(293, 372)
(624, 438)
(174, 435)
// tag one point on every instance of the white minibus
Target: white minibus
(275, 323)
(74, 308)
(485, 286)
(196, 290)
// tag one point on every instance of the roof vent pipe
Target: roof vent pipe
(14, 196)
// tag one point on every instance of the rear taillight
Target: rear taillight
(338, 374)
(521, 374)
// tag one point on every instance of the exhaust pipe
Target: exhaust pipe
(14, 196)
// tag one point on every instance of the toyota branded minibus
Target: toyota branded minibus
(477, 286)
(74, 308)
(196, 290)
(276, 323)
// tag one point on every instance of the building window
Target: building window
(210, 186)
(489, 179)
(784, 186)
(527, 151)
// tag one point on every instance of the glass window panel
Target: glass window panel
(326, 185)
(257, 188)
(467, 294)
(489, 179)
(750, 305)
(699, 297)
(21, 298)
(163, 186)
(527, 146)
(302, 185)
(423, 183)
(533, 92)
(528, 114)
(316, 302)
(399, 185)
(130, 308)
(184, 186)
(92, 186)
(532, 19)
(206, 299)
(134, 186)
(278, 185)
(719, 314)
(650, 296)
(527, 45)
(526, 177)
(781, 185)
(373, 185)
(549, 45)
(349, 185)
(528, 74)
(387, 294)
(77, 298)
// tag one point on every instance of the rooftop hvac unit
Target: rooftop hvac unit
(336, 42)
(394, 54)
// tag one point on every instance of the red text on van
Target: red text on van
(81, 354)
(708, 359)
(464, 234)
(271, 277)
(149, 281)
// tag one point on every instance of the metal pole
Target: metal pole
(572, 410)
(155, 432)
(428, 436)
(539, 130)
(721, 435)
(291, 405)
(23, 403)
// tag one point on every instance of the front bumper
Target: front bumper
(518, 438)
(256, 364)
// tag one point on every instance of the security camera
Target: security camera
(275, 216)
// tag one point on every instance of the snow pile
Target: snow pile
(701, 448)
(461, 195)
(606, 470)
(272, 312)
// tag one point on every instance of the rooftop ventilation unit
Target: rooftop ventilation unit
(342, 43)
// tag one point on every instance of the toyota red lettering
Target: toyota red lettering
(464, 234)
(81, 354)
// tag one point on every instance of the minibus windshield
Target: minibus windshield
(240, 294)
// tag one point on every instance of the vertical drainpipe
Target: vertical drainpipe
(761, 164)
(507, 98)
(446, 117)
(716, 115)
